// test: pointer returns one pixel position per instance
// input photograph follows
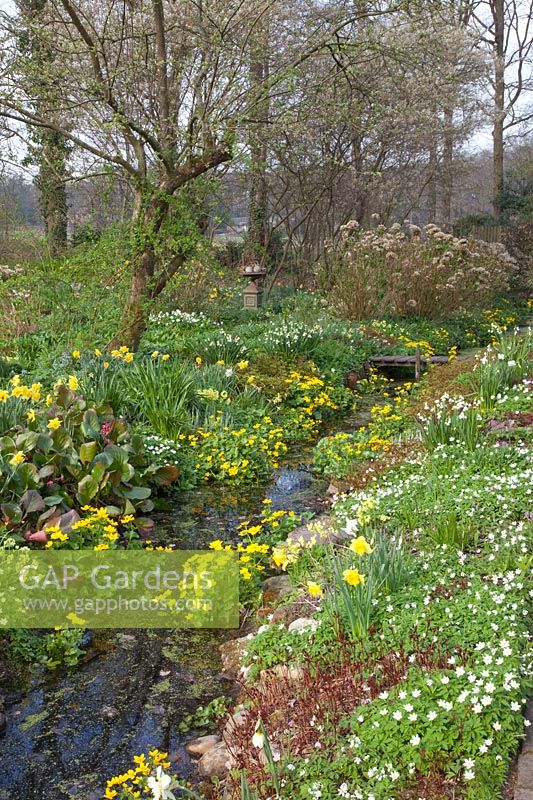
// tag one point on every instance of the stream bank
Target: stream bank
(67, 733)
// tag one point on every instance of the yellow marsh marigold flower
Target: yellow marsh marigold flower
(253, 531)
(54, 424)
(58, 536)
(246, 574)
(76, 354)
(353, 577)
(17, 458)
(73, 383)
(128, 518)
(216, 545)
(360, 546)
(314, 589)
(102, 546)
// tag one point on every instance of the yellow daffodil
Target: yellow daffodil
(353, 577)
(54, 424)
(76, 354)
(360, 546)
(73, 383)
(314, 589)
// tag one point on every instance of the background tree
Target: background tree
(506, 30)
(48, 149)
(158, 92)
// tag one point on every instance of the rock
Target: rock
(290, 611)
(232, 653)
(303, 624)
(277, 587)
(235, 721)
(216, 761)
(322, 529)
(200, 746)
(290, 672)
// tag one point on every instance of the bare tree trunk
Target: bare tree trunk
(258, 228)
(50, 149)
(447, 170)
(499, 103)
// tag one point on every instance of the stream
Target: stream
(67, 733)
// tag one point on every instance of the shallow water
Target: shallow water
(66, 734)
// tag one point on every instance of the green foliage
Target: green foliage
(205, 718)
(51, 650)
(443, 427)
(70, 455)
(160, 393)
(502, 366)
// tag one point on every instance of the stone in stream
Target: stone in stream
(200, 746)
(216, 761)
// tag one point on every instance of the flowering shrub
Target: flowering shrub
(414, 272)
